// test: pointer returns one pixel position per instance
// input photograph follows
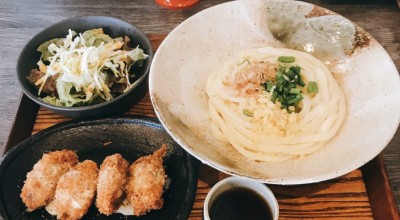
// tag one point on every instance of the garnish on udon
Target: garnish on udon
(278, 105)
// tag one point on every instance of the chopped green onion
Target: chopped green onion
(268, 86)
(281, 99)
(291, 85)
(300, 82)
(294, 100)
(295, 91)
(274, 95)
(280, 86)
(295, 69)
(245, 60)
(290, 74)
(312, 88)
(286, 91)
(286, 59)
(247, 113)
(286, 86)
(279, 76)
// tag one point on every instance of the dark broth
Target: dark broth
(240, 203)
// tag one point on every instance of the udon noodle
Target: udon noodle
(271, 132)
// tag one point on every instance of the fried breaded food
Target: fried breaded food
(41, 182)
(111, 184)
(76, 190)
(146, 182)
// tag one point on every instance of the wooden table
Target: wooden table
(361, 194)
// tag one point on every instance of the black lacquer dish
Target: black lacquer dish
(95, 139)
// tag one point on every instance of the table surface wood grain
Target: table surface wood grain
(22, 19)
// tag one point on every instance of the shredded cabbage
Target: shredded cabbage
(86, 66)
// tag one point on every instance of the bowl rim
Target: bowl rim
(237, 182)
(135, 84)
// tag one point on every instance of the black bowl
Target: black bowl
(115, 28)
(95, 139)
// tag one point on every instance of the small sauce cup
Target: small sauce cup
(238, 198)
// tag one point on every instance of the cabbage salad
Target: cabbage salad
(85, 68)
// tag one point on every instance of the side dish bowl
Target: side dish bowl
(231, 183)
(29, 57)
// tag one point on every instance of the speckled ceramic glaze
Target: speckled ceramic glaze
(201, 44)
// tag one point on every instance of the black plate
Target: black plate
(95, 139)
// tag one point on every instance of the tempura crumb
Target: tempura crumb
(41, 182)
(146, 182)
(76, 190)
(111, 183)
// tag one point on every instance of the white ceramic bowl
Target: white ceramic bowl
(202, 43)
(234, 182)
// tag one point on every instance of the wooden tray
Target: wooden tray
(364, 193)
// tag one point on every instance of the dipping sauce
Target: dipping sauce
(240, 203)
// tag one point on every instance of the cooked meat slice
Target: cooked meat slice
(41, 182)
(76, 190)
(118, 88)
(127, 42)
(111, 184)
(49, 87)
(34, 75)
(146, 182)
